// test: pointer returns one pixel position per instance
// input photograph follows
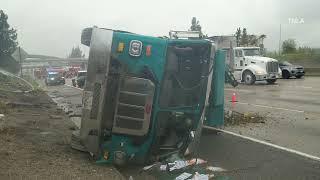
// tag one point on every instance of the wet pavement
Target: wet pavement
(244, 159)
(290, 107)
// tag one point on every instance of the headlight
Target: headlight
(259, 72)
(51, 78)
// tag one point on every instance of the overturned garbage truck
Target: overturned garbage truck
(146, 98)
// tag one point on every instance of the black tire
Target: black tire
(86, 36)
(298, 77)
(285, 74)
(248, 78)
(271, 81)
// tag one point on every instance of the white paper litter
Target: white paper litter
(215, 169)
(178, 165)
(148, 167)
(183, 176)
(198, 176)
(163, 167)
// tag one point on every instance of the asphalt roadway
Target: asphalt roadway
(291, 108)
(242, 158)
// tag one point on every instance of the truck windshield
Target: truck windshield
(252, 52)
(185, 75)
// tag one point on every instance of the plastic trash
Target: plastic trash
(148, 167)
(130, 178)
(196, 161)
(215, 169)
(198, 176)
(183, 176)
(181, 164)
(163, 167)
(178, 165)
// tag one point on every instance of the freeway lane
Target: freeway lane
(243, 159)
(290, 108)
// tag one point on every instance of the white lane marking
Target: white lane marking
(74, 87)
(303, 87)
(237, 90)
(316, 158)
(271, 107)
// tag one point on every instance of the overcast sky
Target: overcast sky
(53, 27)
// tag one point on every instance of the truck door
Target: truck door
(239, 63)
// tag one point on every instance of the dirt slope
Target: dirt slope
(34, 142)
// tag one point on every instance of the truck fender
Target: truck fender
(252, 68)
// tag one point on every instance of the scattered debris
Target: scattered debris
(177, 165)
(148, 167)
(181, 164)
(237, 118)
(1, 116)
(183, 176)
(196, 161)
(198, 176)
(163, 167)
(215, 169)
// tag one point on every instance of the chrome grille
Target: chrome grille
(134, 103)
(272, 67)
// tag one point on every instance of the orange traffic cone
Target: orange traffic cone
(234, 98)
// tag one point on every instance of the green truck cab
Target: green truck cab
(146, 98)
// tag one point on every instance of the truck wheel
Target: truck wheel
(285, 74)
(249, 78)
(271, 81)
(298, 77)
